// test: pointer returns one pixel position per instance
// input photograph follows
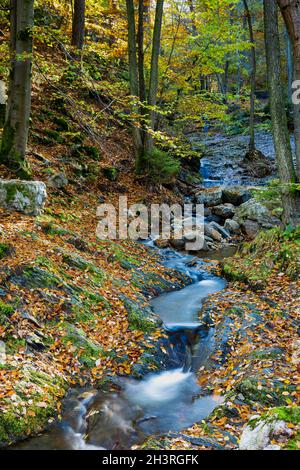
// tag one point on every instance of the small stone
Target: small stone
(58, 181)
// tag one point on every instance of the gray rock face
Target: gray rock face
(251, 228)
(232, 226)
(225, 211)
(23, 196)
(236, 195)
(211, 197)
(253, 215)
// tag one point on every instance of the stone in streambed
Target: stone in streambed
(211, 232)
(225, 211)
(232, 226)
(209, 197)
(236, 195)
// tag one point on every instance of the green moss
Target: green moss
(55, 136)
(267, 354)
(273, 250)
(289, 414)
(35, 277)
(4, 250)
(82, 264)
(14, 424)
(111, 173)
(5, 311)
(87, 351)
(138, 318)
(91, 151)
(62, 123)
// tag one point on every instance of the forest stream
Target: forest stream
(168, 400)
(165, 401)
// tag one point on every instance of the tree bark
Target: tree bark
(290, 10)
(253, 77)
(78, 26)
(289, 64)
(279, 119)
(16, 127)
(140, 41)
(153, 83)
(133, 79)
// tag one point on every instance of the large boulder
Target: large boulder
(253, 216)
(225, 211)
(258, 436)
(215, 231)
(23, 196)
(236, 195)
(212, 233)
(209, 197)
(232, 226)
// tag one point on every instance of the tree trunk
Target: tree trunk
(153, 83)
(290, 10)
(140, 41)
(78, 26)
(279, 119)
(133, 79)
(226, 78)
(16, 127)
(289, 65)
(253, 77)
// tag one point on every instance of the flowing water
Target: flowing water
(164, 401)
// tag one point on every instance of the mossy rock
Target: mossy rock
(14, 424)
(23, 196)
(88, 352)
(268, 353)
(140, 317)
(80, 263)
(263, 394)
(34, 277)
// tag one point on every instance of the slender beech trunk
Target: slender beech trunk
(153, 83)
(133, 79)
(289, 64)
(226, 78)
(140, 41)
(78, 26)
(16, 126)
(253, 77)
(279, 119)
(290, 10)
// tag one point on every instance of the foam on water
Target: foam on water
(164, 387)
